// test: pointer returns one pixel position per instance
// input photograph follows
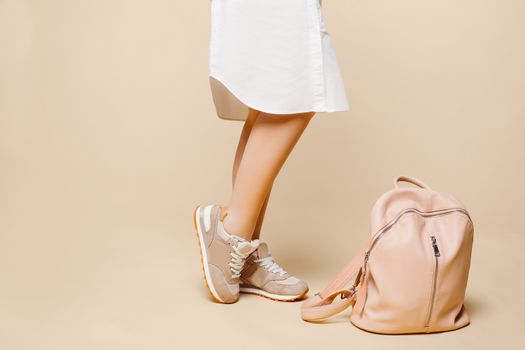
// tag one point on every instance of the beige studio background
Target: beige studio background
(109, 139)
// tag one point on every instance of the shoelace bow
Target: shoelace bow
(269, 264)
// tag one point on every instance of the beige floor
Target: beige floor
(97, 287)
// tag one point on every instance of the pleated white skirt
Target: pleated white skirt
(275, 56)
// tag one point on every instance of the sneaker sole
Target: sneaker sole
(204, 257)
(276, 297)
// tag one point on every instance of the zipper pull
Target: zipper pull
(435, 246)
(367, 254)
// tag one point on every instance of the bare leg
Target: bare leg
(271, 139)
(257, 231)
(246, 130)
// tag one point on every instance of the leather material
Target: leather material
(412, 275)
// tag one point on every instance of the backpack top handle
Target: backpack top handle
(411, 180)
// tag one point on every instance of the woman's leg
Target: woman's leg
(257, 231)
(270, 141)
(247, 128)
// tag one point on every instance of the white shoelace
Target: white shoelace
(269, 264)
(237, 262)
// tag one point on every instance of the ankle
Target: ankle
(230, 228)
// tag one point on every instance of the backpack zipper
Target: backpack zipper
(434, 280)
(377, 236)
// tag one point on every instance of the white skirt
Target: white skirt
(274, 56)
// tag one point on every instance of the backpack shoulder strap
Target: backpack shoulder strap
(322, 305)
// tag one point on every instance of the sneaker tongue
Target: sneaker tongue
(246, 247)
(263, 251)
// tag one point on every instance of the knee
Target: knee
(304, 117)
(308, 115)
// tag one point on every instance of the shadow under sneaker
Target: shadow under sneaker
(223, 255)
(263, 276)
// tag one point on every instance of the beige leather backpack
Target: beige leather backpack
(412, 275)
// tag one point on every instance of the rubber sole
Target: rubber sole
(204, 259)
(271, 296)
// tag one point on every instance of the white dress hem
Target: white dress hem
(275, 57)
(244, 100)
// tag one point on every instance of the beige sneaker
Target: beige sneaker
(223, 255)
(263, 276)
